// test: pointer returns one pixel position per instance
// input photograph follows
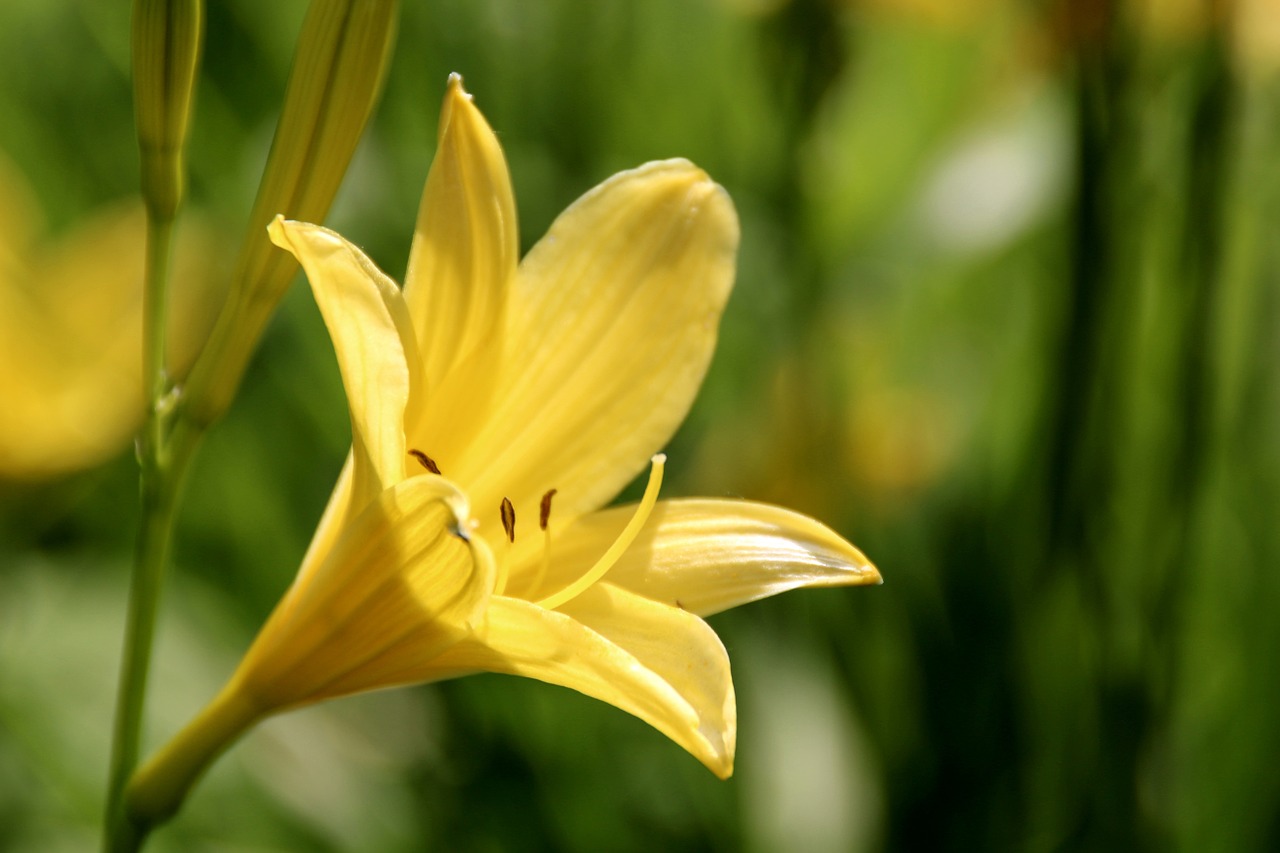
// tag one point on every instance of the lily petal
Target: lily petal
(465, 244)
(611, 324)
(658, 663)
(679, 648)
(399, 582)
(373, 338)
(702, 555)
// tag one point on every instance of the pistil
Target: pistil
(619, 546)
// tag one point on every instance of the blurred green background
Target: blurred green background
(1005, 317)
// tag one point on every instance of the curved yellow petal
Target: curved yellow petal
(465, 244)
(373, 339)
(702, 555)
(660, 664)
(399, 583)
(611, 323)
(683, 651)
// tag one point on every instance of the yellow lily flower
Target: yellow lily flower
(496, 405)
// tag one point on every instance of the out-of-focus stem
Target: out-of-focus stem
(155, 310)
(166, 53)
(164, 458)
(337, 74)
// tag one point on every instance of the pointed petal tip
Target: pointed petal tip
(721, 763)
(861, 571)
(456, 88)
(685, 173)
(456, 97)
(698, 194)
(294, 236)
(677, 169)
(276, 231)
(462, 119)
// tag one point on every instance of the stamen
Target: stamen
(544, 520)
(426, 461)
(619, 546)
(544, 509)
(500, 566)
(508, 519)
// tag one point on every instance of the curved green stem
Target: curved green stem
(160, 786)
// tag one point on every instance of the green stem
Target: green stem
(163, 454)
(154, 328)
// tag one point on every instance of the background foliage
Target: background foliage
(1006, 317)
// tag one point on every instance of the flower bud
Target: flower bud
(337, 75)
(166, 51)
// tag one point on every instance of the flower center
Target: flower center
(601, 567)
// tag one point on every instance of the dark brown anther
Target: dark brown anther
(509, 519)
(426, 461)
(544, 510)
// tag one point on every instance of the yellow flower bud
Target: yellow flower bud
(166, 51)
(337, 75)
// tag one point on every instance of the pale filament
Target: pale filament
(545, 563)
(619, 546)
(500, 584)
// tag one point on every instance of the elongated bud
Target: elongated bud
(337, 75)
(166, 52)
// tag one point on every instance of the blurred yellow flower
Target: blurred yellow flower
(1256, 26)
(495, 407)
(943, 13)
(71, 333)
(1250, 28)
